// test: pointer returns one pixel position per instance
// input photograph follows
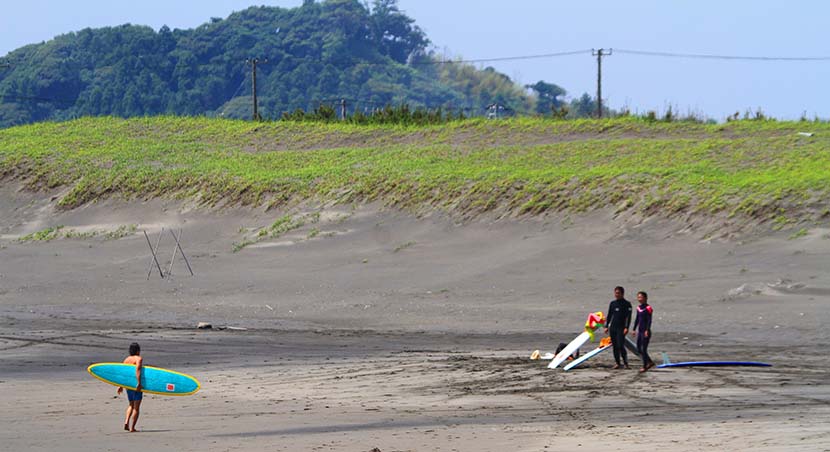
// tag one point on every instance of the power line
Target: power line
(719, 57)
(568, 53)
(507, 58)
(433, 62)
(233, 96)
(438, 62)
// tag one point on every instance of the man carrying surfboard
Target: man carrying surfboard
(134, 397)
(616, 325)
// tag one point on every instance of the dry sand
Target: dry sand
(374, 329)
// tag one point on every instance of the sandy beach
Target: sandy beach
(371, 328)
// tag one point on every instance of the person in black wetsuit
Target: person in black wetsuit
(642, 329)
(616, 325)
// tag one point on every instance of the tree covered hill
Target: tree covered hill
(372, 55)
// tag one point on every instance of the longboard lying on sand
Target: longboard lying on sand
(569, 349)
(629, 344)
(154, 380)
(714, 364)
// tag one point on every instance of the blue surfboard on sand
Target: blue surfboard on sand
(154, 380)
(714, 364)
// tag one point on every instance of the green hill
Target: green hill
(739, 172)
(319, 52)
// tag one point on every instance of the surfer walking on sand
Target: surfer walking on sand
(642, 329)
(616, 325)
(134, 397)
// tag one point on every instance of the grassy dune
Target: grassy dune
(745, 171)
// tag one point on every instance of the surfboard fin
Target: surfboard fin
(666, 359)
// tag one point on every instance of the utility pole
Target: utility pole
(599, 54)
(253, 62)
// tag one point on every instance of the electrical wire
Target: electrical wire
(481, 60)
(507, 58)
(239, 88)
(719, 57)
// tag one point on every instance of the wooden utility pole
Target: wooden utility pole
(599, 54)
(253, 62)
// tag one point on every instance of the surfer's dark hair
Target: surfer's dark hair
(620, 288)
(645, 295)
(134, 349)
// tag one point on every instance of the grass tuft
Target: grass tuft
(44, 235)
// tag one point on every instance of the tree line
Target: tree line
(316, 52)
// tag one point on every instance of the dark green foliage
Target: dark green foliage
(320, 51)
(583, 107)
(547, 97)
(397, 34)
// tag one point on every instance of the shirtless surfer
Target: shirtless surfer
(134, 397)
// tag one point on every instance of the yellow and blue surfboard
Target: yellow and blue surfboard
(154, 380)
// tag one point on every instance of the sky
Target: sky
(476, 29)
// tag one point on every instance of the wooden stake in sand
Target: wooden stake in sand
(180, 250)
(153, 251)
(177, 249)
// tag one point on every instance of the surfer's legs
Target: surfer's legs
(623, 351)
(132, 411)
(618, 342)
(615, 346)
(127, 419)
(135, 410)
(642, 347)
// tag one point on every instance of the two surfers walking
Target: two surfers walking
(616, 326)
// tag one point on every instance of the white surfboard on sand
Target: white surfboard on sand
(569, 349)
(586, 357)
(629, 344)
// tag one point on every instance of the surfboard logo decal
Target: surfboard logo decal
(171, 387)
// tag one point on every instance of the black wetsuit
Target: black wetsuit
(617, 321)
(642, 324)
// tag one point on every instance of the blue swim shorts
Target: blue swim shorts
(132, 396)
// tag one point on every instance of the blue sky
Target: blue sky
(488, 28)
